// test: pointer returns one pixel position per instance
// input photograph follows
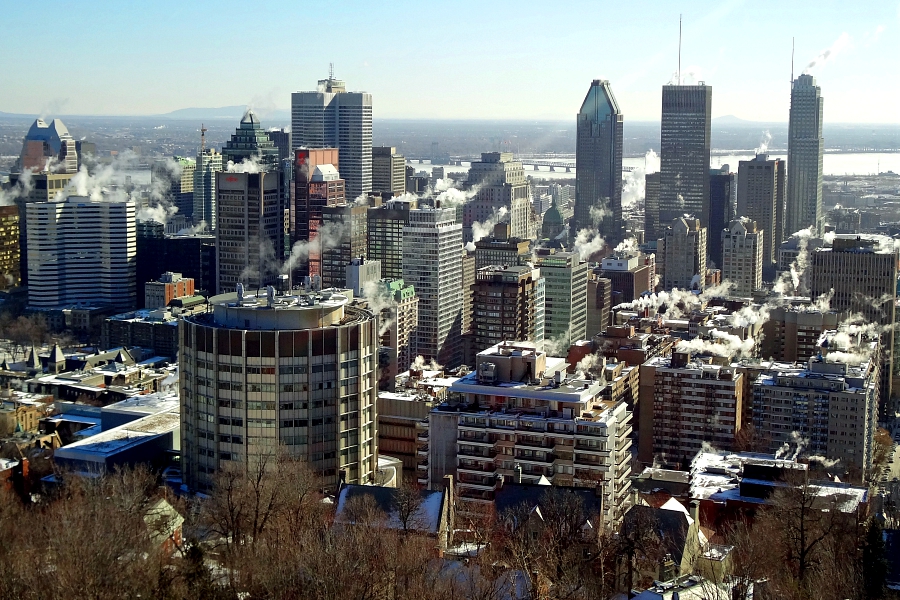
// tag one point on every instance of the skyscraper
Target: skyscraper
(805, 149)
(310, 196)
(721, 192)
(209, 162)
(343, 238)
(176, 181)
(48, 148)
(81, 251)
(10, 263)
(432, 264)
(251, 142)
(598, 164)
(388, 171)
(742, 256)
(251, 226)
(761, 198)
(652, 229)
(684, 152)
(565, 304)
(385, 229)
(332, 117)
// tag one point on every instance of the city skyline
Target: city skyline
(727, 57)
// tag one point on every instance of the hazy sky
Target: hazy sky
(483, 59)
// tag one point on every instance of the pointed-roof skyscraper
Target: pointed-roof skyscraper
(598, 164)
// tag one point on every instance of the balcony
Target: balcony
(480, 439)
(422, 450)
(477, 468)
(541, 443)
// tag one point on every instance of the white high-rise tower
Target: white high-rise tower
(805, 148)
(332, 117)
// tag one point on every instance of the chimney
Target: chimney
(695, 511)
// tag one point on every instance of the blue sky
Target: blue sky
(484, 59)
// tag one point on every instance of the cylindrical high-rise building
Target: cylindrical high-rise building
(295, 370)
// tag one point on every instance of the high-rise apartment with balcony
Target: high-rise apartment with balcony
(598, 164)
(432, 264)
(522, 417)
(806, 146)
(685, 403)
(684, 152)
(291, 371)
(332, 117)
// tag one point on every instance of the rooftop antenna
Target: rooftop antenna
(330, 70)
(679, 49)
(203, 131)
(792, 60)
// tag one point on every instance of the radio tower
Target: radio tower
(203, 131)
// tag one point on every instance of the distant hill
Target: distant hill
(226, 112)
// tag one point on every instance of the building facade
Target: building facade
(742, 256)
(505, 306)
(388, 171)
(523, 419)
(385, 227)
(565, 305)
(276, 371)
(829, 404)
(499, 183)
(859, 272)
(343, 238)
(251, 229)
(761, 198)
(683, 251)
(82, 251)
(208, 163)
(158, 294)
(432, 264)
(721, 209)
(10, 259)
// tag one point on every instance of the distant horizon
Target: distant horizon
(263, 116)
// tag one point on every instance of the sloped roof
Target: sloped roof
(533, 495)
(426, 517)
(670, 525)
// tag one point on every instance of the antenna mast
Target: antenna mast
(679, 49)
(203, 131)
(330, 70)
(792, 60)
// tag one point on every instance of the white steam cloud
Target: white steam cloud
(830, 53)
(484, 229)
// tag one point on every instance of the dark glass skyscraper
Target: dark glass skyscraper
(805, 147)
(684, 152)
(721, 212)
(598, 164)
